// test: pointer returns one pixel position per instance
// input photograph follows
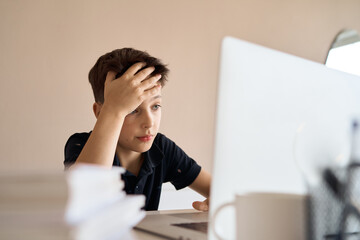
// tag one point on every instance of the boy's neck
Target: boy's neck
(130, 160)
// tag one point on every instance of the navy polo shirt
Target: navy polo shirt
(163, 162)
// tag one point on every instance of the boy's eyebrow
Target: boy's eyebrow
(156, 97)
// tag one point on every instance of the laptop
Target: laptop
(263, 97)
(177, 224)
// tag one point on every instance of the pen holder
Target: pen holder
(326, 154)
(332, 211)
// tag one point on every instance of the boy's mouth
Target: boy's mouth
(145, 138)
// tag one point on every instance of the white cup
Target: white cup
(271, 216)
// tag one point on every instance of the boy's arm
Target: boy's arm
(121, 96)
(100, 147)
(202, 185)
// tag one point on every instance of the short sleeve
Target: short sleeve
(181, 169)
(73, 148)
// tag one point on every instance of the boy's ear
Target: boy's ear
(96, 109)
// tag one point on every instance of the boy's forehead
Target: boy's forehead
(151, 99)
(158, 96)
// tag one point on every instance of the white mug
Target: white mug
(270, 216)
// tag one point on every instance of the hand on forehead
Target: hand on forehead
(133, 87)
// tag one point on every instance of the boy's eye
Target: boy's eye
(156, 107)
(135, 111)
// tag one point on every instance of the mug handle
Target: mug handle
(213, 218)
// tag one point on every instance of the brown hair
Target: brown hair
(119, 61)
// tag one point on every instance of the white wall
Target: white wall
(48, 47)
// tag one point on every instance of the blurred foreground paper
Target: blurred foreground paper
(87, 202)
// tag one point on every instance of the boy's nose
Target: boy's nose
(148, 120)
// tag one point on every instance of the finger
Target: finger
(150, 82)
(152, 91)
(109, 77)
(144, 74)
(134, 69)
(200, 206)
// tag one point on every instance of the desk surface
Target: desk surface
(140, 235)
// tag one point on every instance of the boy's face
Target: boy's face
(141, 126)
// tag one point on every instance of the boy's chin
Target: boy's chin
(144, 148)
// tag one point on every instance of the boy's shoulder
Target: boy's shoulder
(81, 135)
(78, 138)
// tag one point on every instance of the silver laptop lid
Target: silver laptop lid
(263, 97)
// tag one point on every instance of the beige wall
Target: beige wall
(48, 47)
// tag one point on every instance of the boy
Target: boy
(127, 88)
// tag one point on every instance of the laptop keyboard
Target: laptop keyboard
(197, 226)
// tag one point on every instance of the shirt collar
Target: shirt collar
(154, 156)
